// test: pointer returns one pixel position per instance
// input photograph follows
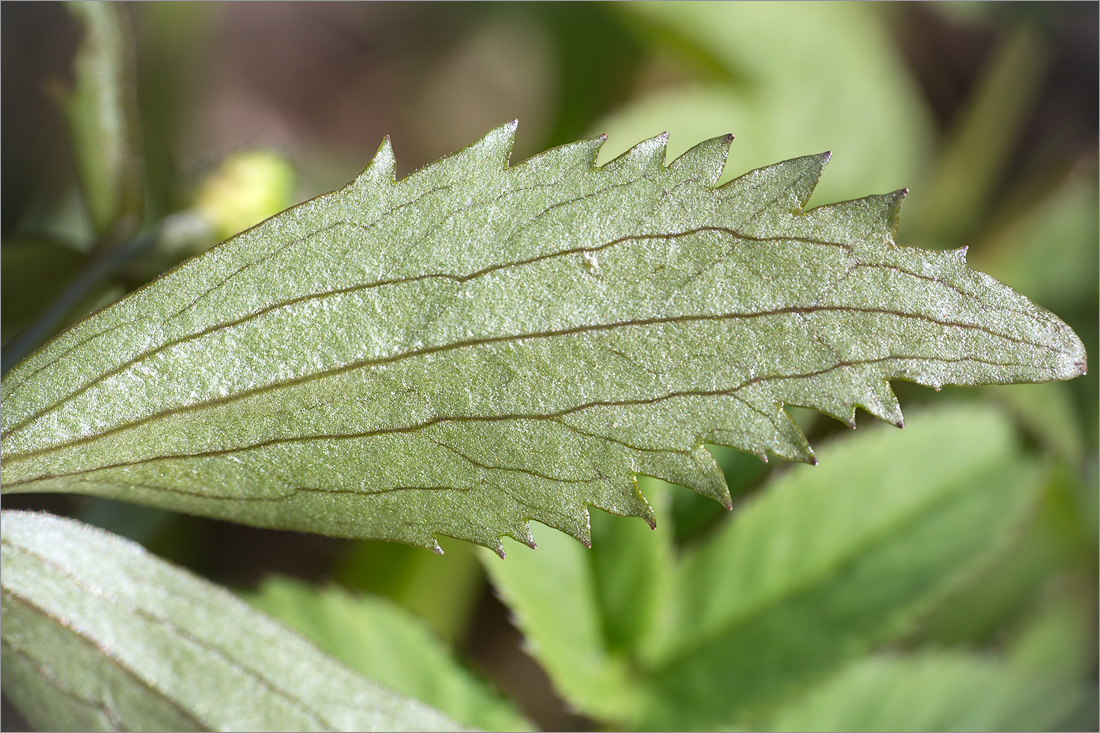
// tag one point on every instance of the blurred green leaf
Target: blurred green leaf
(558, 605)
(386, 643)
(631, 571)
(516, 342)
(1004, 588)
(821, 566)
(585, 612)
(416, 580)
(101, 111)
(928, 691)
(834, 82)
(32, 273)
(1059, 641)
(1050, 253)
(100, 635)
(978, 149)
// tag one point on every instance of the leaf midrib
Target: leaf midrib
(471, 343)
(731, 391)
(360, 287)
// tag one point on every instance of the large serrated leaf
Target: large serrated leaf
(100, 635)
(478, 345)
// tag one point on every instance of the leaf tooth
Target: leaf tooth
(793, 181)
(646, 509)
(891, 210)
(706, 160)
(869, 221)
(381, 169)
(795, 446)
(496, 146)
(522, 534)
(583, 531)
(703, 475)
(881, 402)
(580, 154)
(643, 157)
(496, 546)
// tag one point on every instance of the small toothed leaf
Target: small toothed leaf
(480, 344)
(807, 576)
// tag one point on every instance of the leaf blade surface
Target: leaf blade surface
(930, 690)
(99, 633)
(478, 345)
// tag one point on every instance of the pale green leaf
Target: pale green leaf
(101, 111)
(386, 643)
(946, 691)
(583, 621)
(631, 570)
(875, 122)
(832, 560)
(824, 564)
(481, 344)
(100, 635)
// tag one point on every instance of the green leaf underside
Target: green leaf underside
(803, 579)
(100, 635)
(479, 345)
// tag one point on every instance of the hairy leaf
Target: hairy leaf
(100, 635)
(804, 578)
(478, 345)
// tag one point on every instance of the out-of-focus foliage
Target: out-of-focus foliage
(808, 576)
(101, 110)
(385, 643)
(247, 188)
